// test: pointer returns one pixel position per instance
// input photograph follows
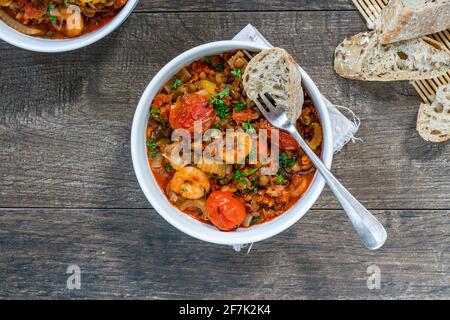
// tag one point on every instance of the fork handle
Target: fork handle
(370, 230)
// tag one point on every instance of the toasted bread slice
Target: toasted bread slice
(275, 72)
(409, 19)
(433, 121)
(361, 57)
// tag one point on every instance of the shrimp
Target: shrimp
(298, 186)
(190, 183)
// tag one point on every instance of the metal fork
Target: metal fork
(369, 229)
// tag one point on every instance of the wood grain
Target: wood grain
(135, 254)
(239, 5)
(65, 126)
(68, 194)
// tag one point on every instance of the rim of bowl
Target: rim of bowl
(37, 44)
(184, 222)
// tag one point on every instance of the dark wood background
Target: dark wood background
(68, 193)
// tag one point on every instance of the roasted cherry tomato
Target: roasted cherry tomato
(286, 141)
(224, 211)
(190, 108)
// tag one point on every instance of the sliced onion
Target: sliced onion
(13, 23)
(200, 204)
(156, 161)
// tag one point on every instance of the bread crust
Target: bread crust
(361, 57)
(399, 21)
(433, 121)
(254, 85)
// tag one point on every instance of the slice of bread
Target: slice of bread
(409, 19)
(433, 121)
(275, 72)
(361, 57)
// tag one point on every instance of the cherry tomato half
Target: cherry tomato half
(190, 108)
(286, 141)
(224, 211)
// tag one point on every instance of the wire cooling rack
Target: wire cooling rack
(370, 10)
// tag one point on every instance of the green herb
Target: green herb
(176, 84)
(52, 19)
(219, 67)
(240, 175)
(50, 6)
(239, 106)
(224, 93)
(217, 126)
(247, 126)
(207, 59)
(285, 162)
(183, 190)
(221, 108)
(168, 166)
(236, 73)
(151, 144)
(256, 219)
(280, 179)
(155, 114)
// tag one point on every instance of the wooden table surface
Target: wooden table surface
(69, 196)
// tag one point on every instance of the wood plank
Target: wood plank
(135, 254)
(239, 5)
(65, 119)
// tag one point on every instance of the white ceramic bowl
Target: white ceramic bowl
(24, 41)
(182, 221)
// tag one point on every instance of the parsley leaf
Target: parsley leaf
(151, 144)
(51, 6)
(256, 219)
(236, 73)
(280, 179)
(155, 114)
(52, 19)
(219, 67)
(285, 161)
(239, 106)
(247, 126)
(207, 59)
(221, 108)
(176, 84)
(224, 93)
(240, 175)
(217, 126)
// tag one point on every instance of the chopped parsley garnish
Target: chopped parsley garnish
(176, 84)
(224, 93)
(239, 106)
(247, 126)
(221, 108)
(50, 6)
(219, 67)
(155, 114)
(280, 179)
(168, 166)
(52, 19)
(152, 145)
(207, 59)
(285, 162)
(256, 219)
(240, 175)
(236, 73)
(217, 126)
